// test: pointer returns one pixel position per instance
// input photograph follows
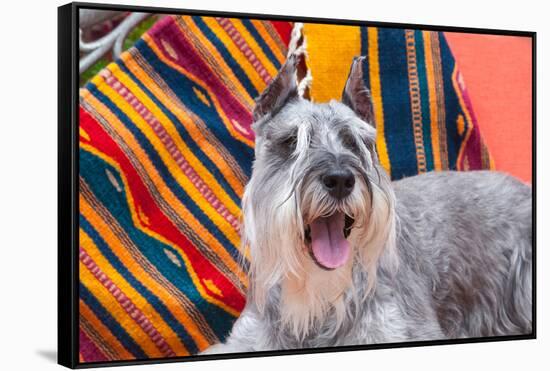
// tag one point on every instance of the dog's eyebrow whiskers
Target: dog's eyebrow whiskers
(294, 186)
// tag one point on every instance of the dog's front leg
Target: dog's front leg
(247, 335)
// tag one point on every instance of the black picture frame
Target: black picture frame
(68, 170)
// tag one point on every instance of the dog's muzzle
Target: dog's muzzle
(327, 242)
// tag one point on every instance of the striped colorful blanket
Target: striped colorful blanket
(166, 149)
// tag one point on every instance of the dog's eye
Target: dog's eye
(350, 142)
(288, 143)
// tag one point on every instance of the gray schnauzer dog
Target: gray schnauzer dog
(340, 255)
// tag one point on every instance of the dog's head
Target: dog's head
(317, 191)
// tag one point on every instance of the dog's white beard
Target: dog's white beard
(274, 232)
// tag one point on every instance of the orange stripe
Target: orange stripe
(145, 277)
(161, 186)
(267, 37)
(210, 150)
(415, 98)
(226, 72)
(182, 179)
(227, 122)
(233, 266)
(168, 334)
(434, 119)
(106, 334)
(236, 53)
(254, 47)
(118, 312)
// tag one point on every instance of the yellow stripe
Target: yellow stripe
(177, 309)
(160, 185)
(432, 94)
(204, 233)
(227, 229)
(210, 150)
(268, 38)
(325, 44)
(169, 335)
(145, 276)
(492, 165)
(204, 173)
(253, 45)
(85, 312)
(376, 92)
(276, 37)
(469, 124)
(236, 53)
(226, 72)
(118, 312)
(234, 133)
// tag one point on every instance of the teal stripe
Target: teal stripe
(108, 320)
(165, 173)
(227, 57)
(424, 99)
(365, 51)
(152, 299)
(183, 87)
(151, 248)
(194, 147)
(394, 79)
(261, 42)
(452, 104)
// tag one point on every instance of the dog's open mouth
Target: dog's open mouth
(327, 242)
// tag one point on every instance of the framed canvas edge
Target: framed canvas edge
(67, 266)
(68, 170)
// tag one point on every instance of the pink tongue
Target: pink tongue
(330, 247)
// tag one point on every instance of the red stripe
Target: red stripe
(127, 304)
(171, 147)
(284, 29)
(473, 149)
(190, 60)
(88, 350)
(241, 43)
(159, 222)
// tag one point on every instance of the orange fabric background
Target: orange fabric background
(497, 72)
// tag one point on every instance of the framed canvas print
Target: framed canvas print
(239, 185)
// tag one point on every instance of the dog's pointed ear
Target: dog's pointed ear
(280, 90)
(356, 95)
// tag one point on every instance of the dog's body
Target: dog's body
(342, 256)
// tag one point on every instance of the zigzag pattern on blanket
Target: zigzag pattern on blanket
(165, 151)
(166, 148)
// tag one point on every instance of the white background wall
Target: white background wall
(28, 182)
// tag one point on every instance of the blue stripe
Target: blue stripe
(184, 134)
(365, 52)
(183, 88)
(136, 284)
(452, 105)
(396, 102)
(165, 173)
(235, 67)
(116, 202)
(105, 317)
(364, 32)
(261, 42)
(424, 99)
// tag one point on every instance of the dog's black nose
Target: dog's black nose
(339, 183)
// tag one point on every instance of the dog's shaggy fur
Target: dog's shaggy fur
(436, 256)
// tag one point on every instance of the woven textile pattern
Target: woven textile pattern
(166, 148)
